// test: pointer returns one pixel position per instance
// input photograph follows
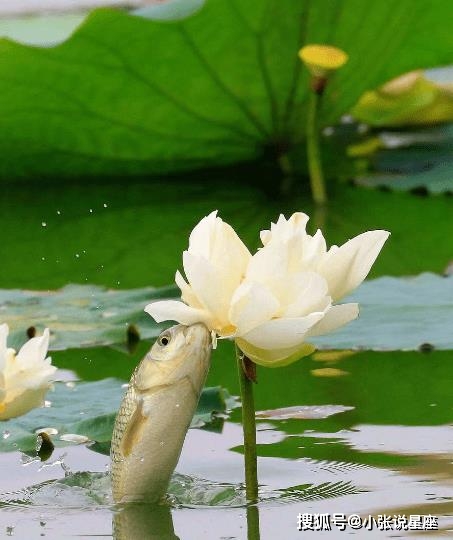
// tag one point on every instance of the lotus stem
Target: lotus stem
(318, 189)
(246, 371)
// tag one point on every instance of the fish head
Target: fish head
(180, 352)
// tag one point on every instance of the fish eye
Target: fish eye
(164, 339)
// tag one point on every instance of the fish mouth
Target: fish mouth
(197, 334)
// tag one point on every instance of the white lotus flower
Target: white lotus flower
(25, 377)
(214, 264)
(301, 279)
(273, 302)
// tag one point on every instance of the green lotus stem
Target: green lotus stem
(248, 426)
(318, 189)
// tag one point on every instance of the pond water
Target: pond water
(375, 431)
(390, 453)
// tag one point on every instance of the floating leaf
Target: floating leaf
(87, 410)
(332, 356)
(395, 313)
(312, 412)
(213, 400)
(82, 315)
(437, 180)
(399, 314)
(418, 160)
(328, 372)
(219, 87)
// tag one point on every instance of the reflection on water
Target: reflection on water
(143, 522)
(253, 522)
(155, 522)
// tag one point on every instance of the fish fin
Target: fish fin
(134, 429)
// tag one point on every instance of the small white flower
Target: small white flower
(273, 302)
(25, 377)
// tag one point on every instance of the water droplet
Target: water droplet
(105, 205)
(42, 523)
(347, 119)
(142, 459)
(47, 404)
(77, 255)
(58, 212)
(82, 413)
(70, 384)
(6, 434)
(362, 128)
(177, 405)
(43, 258)
(44, 224)
(91, 210)
(328, 131)
(9, 530)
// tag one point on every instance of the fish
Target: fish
(156, 412)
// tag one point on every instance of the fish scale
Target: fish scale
(125, 412)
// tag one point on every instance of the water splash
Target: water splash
(87, 489)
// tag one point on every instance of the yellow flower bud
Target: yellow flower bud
(321, 60)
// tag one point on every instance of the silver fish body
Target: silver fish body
(156, 413)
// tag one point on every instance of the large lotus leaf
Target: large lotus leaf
(396, 313)
(88, 409)
(130, 95)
